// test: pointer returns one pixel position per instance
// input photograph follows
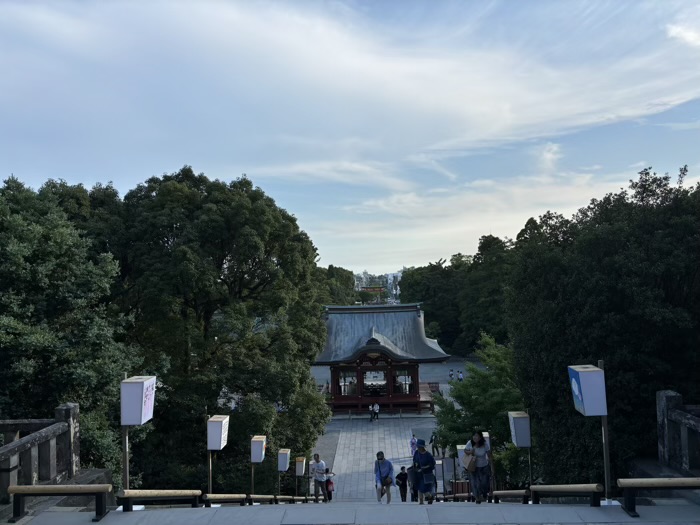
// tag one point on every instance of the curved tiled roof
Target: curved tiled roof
(394, 330)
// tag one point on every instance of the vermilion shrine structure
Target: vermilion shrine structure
(374, 353)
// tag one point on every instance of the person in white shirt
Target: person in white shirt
(318, 471)
(479, 451)
(375, 409)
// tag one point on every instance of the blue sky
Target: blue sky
(397, 132)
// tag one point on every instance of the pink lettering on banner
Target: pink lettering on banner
(149, 397)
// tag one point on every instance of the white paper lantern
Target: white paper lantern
(257, 449)
(283, 459)
(520, 429)
(300, 466)
(138, 395)
(217, 432)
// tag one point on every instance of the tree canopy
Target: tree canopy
(59, 341)
(206, 284)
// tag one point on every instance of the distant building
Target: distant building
(374, 353)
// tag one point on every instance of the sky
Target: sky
(397, 132)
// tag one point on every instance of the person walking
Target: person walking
(371, 413)
(375, 409)
(330, 486)
(461, 376)
(434, 450)
(383, 477)
(478, 451)
(424, 467)
(402, 482)
(414, 445)
(452, 374)
(318, 470)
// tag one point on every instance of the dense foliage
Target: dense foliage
(223, 300)
(59, 341)
(482, 402)
(619, 281)
(463, 298)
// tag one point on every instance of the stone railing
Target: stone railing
(49, 451)
(679, 431)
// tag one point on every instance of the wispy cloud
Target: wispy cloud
(352, 173)
(639, 165)
(685, 34)
(681, 126)
(425, 227)
(428, 108)
(548, 156)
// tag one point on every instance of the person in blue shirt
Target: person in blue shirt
(384, 477)
(424, 472)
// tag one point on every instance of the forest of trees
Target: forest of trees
(214, 289)
(619, 281)
(208, 285)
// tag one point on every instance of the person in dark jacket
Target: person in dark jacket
(402, 482)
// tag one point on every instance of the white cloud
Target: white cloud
(681, 126)
(548, 157)
(639, 165)
(425, 227)
(685, 34)
(594, 167)
(343, 172)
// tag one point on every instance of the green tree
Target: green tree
(619, 282)
(227, 310)
(435, 286)
(58, 342)
(482, 295)
(336, 285)
(482, 402)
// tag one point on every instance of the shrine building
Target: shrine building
(374, 353)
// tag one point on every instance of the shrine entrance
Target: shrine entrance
(374, 378)
(373, 353)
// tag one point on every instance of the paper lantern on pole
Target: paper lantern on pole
(138, 395)
(520, 429)
(588, 388)
(300, 466)
(217, 432)
(257, 449)
(283, 459)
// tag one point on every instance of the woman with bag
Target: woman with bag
(383, 477)
(478, 459)
(424, 468)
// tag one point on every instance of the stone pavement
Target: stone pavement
(373, 513)
(357, 446)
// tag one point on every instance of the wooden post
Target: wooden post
(8, 476)
(47, 460)
(606, 449)
(29, 466)
(125, 457)
(70, 441)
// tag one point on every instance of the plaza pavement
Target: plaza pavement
(374, 514)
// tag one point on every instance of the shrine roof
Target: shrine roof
(396, 331)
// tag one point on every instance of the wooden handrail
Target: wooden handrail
(150, 493)
(584, 487)
(38, 490)
(651, 483)
(32, 440)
